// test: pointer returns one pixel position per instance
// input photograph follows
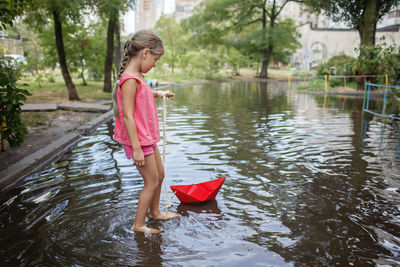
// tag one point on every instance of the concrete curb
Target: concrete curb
(14, 174)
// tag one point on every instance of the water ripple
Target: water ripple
(310, 182)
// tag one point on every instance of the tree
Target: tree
(10, 9)
(78, 45)
(359, 15)
(11, 95)
(98, 45)
(172, 35)
(109, 10)
(60, 11)
(255, 19)
(11, 98)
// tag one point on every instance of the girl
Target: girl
(136, 123)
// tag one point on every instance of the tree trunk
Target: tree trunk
(117, 47)
(368, 23)
(72, 92)
(109, 52)
(83, 76)
(264, 68)
(367, 31)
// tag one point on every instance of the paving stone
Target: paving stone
(39, 107)
(79, 106)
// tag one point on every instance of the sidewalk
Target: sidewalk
(44, 144)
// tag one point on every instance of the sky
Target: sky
(129, 19)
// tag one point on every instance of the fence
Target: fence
(390, 91)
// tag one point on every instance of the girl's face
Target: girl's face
(149, 61)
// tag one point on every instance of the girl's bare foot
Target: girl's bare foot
(163, 216)
(145, 229)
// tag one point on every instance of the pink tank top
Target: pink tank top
(144, 114)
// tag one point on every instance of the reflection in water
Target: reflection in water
(210, 206)
(149, 249)
(310, 182)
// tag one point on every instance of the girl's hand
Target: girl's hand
(167, 93)
(138, 158)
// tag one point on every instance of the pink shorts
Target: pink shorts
(147, 150)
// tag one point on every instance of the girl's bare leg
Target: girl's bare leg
(155, 212)
(151, 184)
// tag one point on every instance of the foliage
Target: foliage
(84, 47)
(350, 11)
(97, 46)
(11, 98)
(252, 27)
(382, 60)
(313, 85)
(235, 60)
(9, 9)
(343, 64)
(205, 62)
(173, 38)
(360, 15)
(109, 10)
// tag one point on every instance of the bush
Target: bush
(381, 60)
(11, 98)
(344, 65)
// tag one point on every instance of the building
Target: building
(321, 38)
(147, 13)
(184, 8)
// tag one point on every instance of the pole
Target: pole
(326, 83)
(289, 78)
(386, 80)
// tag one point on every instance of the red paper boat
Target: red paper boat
(195, 193)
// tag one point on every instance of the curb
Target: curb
(14, 174)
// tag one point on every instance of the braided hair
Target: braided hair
(139, 41)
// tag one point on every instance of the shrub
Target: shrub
(11, 98)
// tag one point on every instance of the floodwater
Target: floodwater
(311, 181)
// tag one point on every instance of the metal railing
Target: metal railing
(388, 90)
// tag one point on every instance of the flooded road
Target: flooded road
(311, 181)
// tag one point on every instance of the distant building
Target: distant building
(147, 13)
(184, 8)
(321, 38)
(11, 46)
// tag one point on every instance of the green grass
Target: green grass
(319, 85)
(313, 85)
(183, 76)
(33, 119)
(50, 88)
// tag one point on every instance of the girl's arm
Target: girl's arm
(128, 104)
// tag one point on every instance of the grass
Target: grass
(50, 88)
(34, 119)
(336, 85)
(183, 76)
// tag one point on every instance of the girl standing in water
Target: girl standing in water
(136, 123)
